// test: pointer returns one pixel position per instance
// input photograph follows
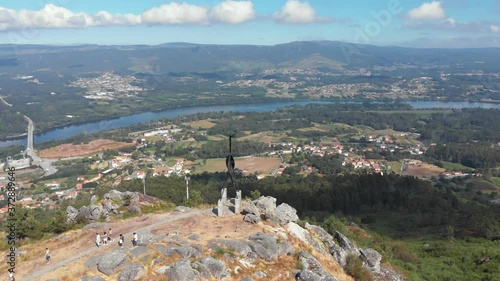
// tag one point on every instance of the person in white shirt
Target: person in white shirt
(134, 241)
(120, 241)
(97, 239)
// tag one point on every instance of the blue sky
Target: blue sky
(416, 23)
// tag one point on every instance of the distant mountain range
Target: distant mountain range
(187, 57)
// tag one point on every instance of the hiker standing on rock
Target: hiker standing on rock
(134, 241)
(97, 239)
(120, 241)
(47, 256)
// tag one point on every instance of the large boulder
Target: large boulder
(268, 242)
(239, 246)
(71, 214)
(217, 268)
(261, 252)
(94, 212)
(181, 271)
(110, 261)
(130, 197)
(188, 251)
(167, 251)
(304, 235)
(114, 195)
(345, 243)
(266, 204)
(145, 237)
(110, 207)
(92, 262)
(282, 215)
(312, 270)
(338, 253)
(310, 263)
(138, 251)
(251, 218)
(371, 258)
(132, 272)
(251, 208)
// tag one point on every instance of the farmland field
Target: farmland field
(265, 165)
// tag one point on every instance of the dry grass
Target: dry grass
(424, 170)
(204, 124)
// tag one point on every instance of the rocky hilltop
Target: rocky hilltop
(278, 247)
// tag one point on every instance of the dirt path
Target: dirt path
(67, 255)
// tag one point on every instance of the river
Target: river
(124, 121)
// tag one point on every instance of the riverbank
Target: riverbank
(145, 117)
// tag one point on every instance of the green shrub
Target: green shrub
(354, 267)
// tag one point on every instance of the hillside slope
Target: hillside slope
(190, 244)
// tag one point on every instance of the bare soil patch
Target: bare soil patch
(424, 170)
(73, 150)
(251, 164)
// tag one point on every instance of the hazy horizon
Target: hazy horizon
(415, 23)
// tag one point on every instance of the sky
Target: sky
(413, 23)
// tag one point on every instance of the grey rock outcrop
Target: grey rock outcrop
(92, 262)
(304, 235)
(138, 251)
(371, 258)
(312, 269)
(184, 251)
(282, 215)
(239, 246)
(345, 243)
(266, 204)
(251, 208)
(145, 237)
(181, 271)
(109, 205)
(71, 214)
(110, 261)
(218, 269)
(251, 218)
(269, 244)
(338, 253)
(132, 272)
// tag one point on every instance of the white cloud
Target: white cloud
(495, 28)
(296, 12)
(175, 13)
(233, 12)
(52, 16)
(104, 18)
(432, 10)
